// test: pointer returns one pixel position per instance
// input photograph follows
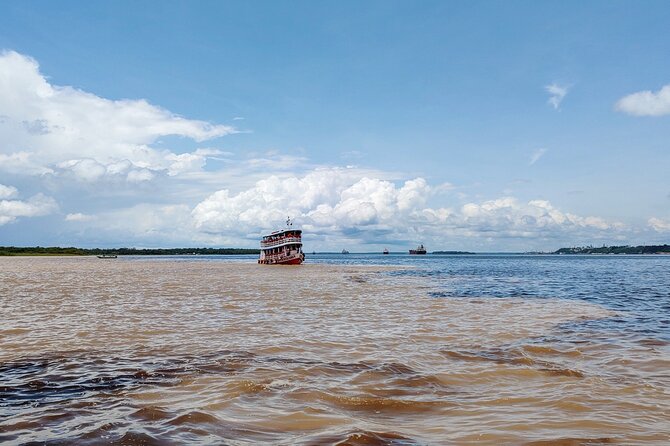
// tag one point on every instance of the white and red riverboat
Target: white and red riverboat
(282, 247)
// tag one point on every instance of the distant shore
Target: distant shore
(72, 251)
(644, 249)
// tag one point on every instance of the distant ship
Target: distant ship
(385, 251)
(283, 247)
(419, 250)
(344, 251)
(107, 256)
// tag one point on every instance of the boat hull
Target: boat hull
(295, 260)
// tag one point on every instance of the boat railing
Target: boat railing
(280, 241)
(282, 255)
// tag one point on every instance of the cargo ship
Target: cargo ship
(419, 250)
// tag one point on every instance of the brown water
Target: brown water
(171, 352)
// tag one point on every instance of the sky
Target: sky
(485, 126)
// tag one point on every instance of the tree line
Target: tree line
(72, 251)
(644, 249)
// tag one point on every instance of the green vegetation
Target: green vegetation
(40, 251)
(650, 249)
(71, 251)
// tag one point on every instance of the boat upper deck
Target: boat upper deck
(279, 238)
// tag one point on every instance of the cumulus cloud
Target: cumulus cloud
(139, 176)
(539, 153)
(556, 94)
(47, 128)
(84, 169)
(21, 162)
(337, 205)
(325, 198)
(646, 103)
(327, 201)
(189, 162)
(36, 206)
(512, 217)
(7, 191)
(659, 225)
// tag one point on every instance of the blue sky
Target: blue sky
(488, 126)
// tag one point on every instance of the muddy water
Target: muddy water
(136, 351)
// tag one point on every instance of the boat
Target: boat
(344, 251)
(385, 251)
(107, 256)
(419, 250)
(283, 247)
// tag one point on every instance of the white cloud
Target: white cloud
(335, 206)
(36, 206)
(537, 155)
(139, 176)
(328, 201)
(509, 216)
(557, 93)
(8, 191)
(22, 163)
(79, 217)
(324, 197)
(119, 167)
(659, 225)
(46, 128)
(84, 169)
(189, 162)
(646, 103)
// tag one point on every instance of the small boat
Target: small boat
(385, 251)
(344, 251)
(107, 256)
(283, 247)
(419, 250)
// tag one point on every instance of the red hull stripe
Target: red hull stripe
(292, 262)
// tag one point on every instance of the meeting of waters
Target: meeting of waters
(342, 350)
